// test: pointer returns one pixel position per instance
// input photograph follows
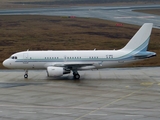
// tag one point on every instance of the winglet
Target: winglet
(140, 40)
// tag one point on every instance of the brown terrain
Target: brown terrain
(20, 33)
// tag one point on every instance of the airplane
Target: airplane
(58, 63)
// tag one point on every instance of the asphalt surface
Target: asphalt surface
(110, 94)
(119, 14)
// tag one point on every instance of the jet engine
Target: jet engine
(56, 71)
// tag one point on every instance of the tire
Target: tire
(25, 76)
(76, 76)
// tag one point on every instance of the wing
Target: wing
(74, 65)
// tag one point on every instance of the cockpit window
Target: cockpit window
(13, 57)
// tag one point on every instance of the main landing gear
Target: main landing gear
(26, 74)
(76, 76)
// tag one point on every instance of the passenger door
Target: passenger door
(25, 58)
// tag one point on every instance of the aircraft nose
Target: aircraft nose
(5, 63)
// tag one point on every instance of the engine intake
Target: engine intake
(56, 71)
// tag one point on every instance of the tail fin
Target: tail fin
(140, 40)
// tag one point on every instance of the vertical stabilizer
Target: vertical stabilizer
(140, 40)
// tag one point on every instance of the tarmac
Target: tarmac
(109, 94)
(123, 14)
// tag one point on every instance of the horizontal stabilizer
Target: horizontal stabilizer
(144, 55)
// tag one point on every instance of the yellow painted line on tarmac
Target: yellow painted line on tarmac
(158, 84)
(147, 83)
(127, 86)
(114, 101)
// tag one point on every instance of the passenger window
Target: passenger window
(15, 57)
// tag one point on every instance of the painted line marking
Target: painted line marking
(127, 86)
(158, 84)
(147, 83)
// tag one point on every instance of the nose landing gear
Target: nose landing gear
(26, 74)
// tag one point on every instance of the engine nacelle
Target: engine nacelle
(56, 71)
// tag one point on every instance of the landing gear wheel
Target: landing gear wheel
(25, 75)
(76, 76)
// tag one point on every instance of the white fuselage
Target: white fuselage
(93, 59)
